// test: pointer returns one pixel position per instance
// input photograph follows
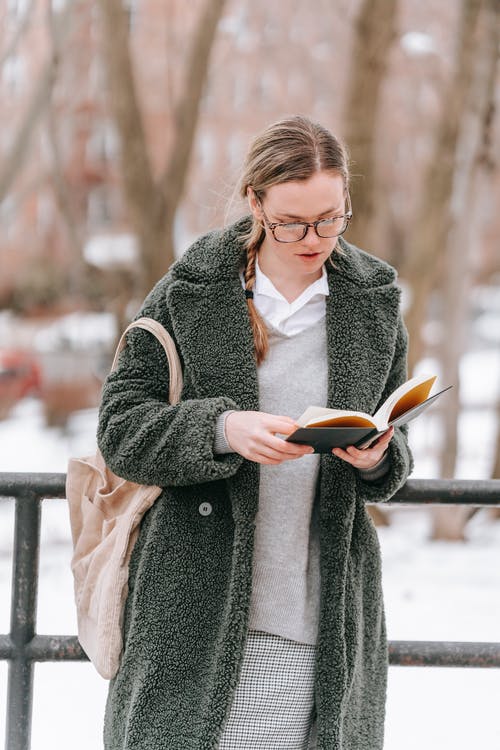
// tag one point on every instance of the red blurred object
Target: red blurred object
(20, 375)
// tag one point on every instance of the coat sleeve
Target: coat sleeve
(144, 439)
(398, 451)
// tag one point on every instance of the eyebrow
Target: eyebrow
(328, 211)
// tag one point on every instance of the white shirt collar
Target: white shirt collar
(264, 285)
(289, 317)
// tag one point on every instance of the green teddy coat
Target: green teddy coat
(190, 574)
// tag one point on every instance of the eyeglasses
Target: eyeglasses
(297, 230)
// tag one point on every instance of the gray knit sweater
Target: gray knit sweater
(285, 585)
(286, 577)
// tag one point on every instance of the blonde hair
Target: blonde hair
(291, 149)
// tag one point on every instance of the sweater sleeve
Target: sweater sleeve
(399, 460)
(221, 444)
(145, 439)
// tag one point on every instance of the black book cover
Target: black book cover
(323, 439)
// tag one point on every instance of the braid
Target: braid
(290, 150)
(259, 330)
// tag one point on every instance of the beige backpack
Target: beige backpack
(105, 514)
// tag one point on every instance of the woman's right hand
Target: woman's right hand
(252, 435)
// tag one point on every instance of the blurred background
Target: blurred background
(124, 126)
(125, 123)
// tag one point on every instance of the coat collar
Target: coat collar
(212, 326)
(220, 254)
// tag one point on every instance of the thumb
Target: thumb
(283, 425)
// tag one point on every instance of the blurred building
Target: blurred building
(268, 61)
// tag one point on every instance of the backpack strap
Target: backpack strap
(166, 340)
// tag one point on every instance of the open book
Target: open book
(325, 429)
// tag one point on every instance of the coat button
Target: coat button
(205, 509)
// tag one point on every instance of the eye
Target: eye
(329, 222)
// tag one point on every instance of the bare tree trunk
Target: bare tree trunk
(23, 25)
(145, 203)
(495, 472)
(449, 523)
(152, 206)
(40, 98)
(60, 187)
(61, 193)
(488, 164)
(428, 237)
(185, 121)
(374, 33)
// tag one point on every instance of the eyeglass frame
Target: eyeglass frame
(306, 224)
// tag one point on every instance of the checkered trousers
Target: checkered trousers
(273, 706)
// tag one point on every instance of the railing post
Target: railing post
(22, 621)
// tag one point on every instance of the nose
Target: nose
(311, 239)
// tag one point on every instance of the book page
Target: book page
(317, 416)
(355, 419)
(406, 397)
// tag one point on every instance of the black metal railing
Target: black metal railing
(22, 647)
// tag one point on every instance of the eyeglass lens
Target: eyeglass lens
(325, 228)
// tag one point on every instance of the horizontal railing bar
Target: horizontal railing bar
(478, 492)
(7, 647)
(444, 654)
(55, 648)
(40, 484)
(401, 653)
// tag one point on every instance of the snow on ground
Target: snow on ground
(433, 590)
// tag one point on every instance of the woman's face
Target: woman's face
(321, 196)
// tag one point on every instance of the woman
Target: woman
(255, 615)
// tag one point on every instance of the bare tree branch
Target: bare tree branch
(59, 183)
(138, 183)
(152, 206)
(374, 32)
(187, 108)
(460, 249)
(22, 26)
(37, 104)
(432, 221)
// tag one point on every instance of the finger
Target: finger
(283, 425)
(360, 455)
(367, 456)
(297, 449)
(361, 461)
(260, 459)
(341, 453)
(267, 458)
(384, 439)
(375, 450)
(282, 455)
(263, 449)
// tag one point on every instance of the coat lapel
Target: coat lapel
(361, 320)
(361, 333)
(216, 339)
(216, 343)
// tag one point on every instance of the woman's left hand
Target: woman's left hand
(367, 458)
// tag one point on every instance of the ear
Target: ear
(254, 204)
